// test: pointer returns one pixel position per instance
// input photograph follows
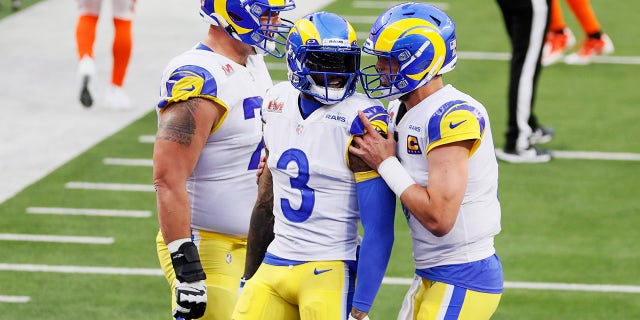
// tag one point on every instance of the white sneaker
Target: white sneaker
(555, 45)
(541, 135)
(590, 49)
(86, 73)
(117, 98)
(529, 155)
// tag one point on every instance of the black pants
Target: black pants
(526, 22)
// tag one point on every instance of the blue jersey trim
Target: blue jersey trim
(201, 46)
(485, 275)
(274, 260)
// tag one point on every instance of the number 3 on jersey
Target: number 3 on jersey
(307, 201)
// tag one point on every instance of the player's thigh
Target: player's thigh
(89, 7)
(123, 9)
(223, 260)
(325, 290)
(438, 300)
(263, 296)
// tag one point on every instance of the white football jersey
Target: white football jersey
(222, 188)
(315, 201)
(448, 116)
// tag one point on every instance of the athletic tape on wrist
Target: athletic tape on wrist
(394, 174)
(174, 245)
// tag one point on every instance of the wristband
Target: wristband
(186, 263)
(395, 175)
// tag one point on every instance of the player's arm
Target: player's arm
(376, 203)
(261, 224)
(435, 206)
(183, 129)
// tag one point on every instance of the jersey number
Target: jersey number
(249, 105)
(300, 183)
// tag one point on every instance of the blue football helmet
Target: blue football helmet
(323, 57)
(420, 38)
(447, 29)
(241, 19)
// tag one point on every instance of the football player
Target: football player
(313, 194)
(86, 25)
(445, 173)
(207, 151)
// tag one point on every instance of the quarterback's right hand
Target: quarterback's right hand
(191, 291)
(191, 298)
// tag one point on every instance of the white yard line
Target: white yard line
(504, 56)
(14, 299)
(80, 270)
(128, 162)
(595, 155)
(52, 238)
(361, 19)
(387, 280)
(90, 212)
(109, 186)
(147, 139)
(543, 286)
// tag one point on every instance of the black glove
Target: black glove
(191, 291)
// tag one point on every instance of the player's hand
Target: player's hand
(366, 317)
(372, 147)
(191, 291)
(356, 314)
(191, 298)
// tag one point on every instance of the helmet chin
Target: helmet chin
(327, 95)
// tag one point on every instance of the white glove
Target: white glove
(191, 299)
(191, 291)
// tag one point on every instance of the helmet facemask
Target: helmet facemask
(269, 37)
(331, 76)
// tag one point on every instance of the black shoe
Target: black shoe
(85, 95)
(541, 135)
(530, 155)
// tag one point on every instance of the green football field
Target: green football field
(570, 240)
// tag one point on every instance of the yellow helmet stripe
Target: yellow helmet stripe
(397, 29)
(307, 30)
(221, 9)
(439, 49)
(352, 33)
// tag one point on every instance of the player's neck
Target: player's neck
(414, 97)
(220, 42)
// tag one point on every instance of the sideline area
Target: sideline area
(43, 125)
